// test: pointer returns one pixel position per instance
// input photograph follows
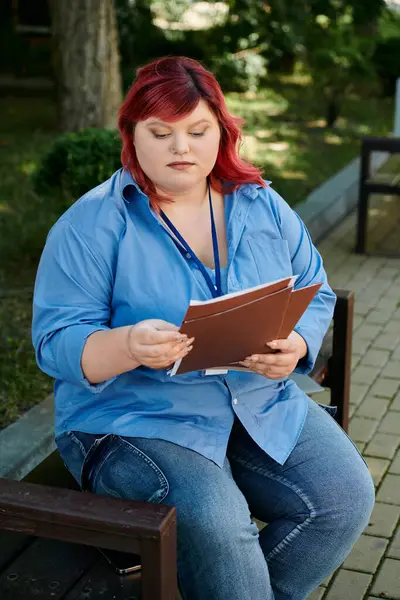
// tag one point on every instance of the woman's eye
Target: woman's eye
(197, 133)
(160, 136)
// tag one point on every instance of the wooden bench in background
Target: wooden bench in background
(49, 529)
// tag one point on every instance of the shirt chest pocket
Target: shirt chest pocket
(271, 257)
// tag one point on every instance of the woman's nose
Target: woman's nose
(180, 144)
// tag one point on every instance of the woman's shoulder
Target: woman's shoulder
(265, 197)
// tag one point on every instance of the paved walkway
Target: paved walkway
(372, 570)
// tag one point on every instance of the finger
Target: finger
(152, 337)
(285, 345)
(163, 352)
(270, 359)
(168, 361)
(162, 325)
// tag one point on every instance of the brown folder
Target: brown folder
(232, 328)
(298, 302)
(231, 335)
(197, 311)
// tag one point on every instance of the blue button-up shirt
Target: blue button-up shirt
(109, 261)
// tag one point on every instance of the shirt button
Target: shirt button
(235, 401)
(188, 255)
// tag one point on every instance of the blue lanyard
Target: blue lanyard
(216, 289)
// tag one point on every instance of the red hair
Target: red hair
(170, 88)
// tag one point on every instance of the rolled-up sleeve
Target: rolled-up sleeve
(307, 264)
(71, 301)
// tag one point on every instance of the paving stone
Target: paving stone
(388, 580)
(390, 423)
(355, 361)
(357, 321)
(390, 273)
(357, 392)
(394, 548)
(359, 347)
(383, 445)
(396, 403)
(377, 467)
(366, 554)
(392, 370)
(389, 491)
(386, 341)
(383, 520)
(384, 387)
(360, 446)
(395, 466)
(391, 326)
(349, 585)
(373, 407)
(365, 375)
(378, 317)
(396, 353)
(352, 410)
(387, 303)
(361, 429)
(375, 358)
(367, 332)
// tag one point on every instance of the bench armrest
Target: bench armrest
(137, 527)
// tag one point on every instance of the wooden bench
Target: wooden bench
(50, 529)
(380, 184)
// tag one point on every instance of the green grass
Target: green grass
(284, 135)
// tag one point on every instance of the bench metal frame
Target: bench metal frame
(368, 186)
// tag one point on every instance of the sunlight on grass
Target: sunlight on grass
(28, 167)
(331, 138)
(299, 175)
(4, 208)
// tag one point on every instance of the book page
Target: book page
(241, 292)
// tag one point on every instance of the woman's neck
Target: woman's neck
(193, 198)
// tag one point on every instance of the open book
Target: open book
(231, 327)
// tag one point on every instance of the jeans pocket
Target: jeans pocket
(116, 467)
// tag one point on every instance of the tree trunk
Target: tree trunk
(86, 60)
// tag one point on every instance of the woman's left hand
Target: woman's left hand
(280, 364)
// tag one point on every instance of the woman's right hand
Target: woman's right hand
(157, 344)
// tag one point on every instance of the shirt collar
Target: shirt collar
(129, 186)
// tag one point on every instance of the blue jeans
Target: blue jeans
(316, 505)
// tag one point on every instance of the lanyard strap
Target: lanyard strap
(216, 289)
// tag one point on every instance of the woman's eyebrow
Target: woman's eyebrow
(169, 125)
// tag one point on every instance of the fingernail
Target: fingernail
(272, 344)
(189, 349)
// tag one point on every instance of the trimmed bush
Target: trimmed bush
(77, 162)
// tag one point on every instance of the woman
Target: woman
(116, 276)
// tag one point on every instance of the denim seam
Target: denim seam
(299, 528)
(77, 441)
(161, 476)
(163, 481)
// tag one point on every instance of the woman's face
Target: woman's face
(176, 156)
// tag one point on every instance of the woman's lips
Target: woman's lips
(180, 166)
